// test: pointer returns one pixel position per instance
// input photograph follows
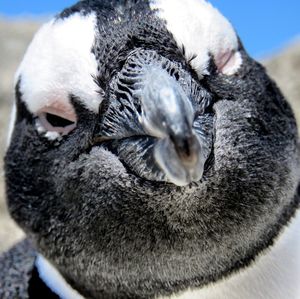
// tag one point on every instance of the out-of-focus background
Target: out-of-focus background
(269, 29)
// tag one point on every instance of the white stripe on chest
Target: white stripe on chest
(53, 279)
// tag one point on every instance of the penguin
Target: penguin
(150, 157)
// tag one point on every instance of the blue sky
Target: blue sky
(265, 26)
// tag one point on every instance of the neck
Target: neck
(273, 275)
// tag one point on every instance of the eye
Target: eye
(61, 121)
(228, 62)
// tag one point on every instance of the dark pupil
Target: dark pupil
(57, 121)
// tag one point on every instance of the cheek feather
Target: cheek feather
(203, 31)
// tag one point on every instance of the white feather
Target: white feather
(13, 116)
(201, 29)
(54, 280)
(59, 63)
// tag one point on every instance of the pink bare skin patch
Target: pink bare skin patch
(228, 62)
(58, 116)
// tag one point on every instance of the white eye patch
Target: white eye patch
(202, 30)
(59, 63)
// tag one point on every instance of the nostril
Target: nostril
(187, 149)
(139, 109)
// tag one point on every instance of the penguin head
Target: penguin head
(149, 152)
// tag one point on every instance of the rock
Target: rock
(285, 69)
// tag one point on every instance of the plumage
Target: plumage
(125, 195)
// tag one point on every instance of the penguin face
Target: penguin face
(149, 152)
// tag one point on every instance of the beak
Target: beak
(167, 114)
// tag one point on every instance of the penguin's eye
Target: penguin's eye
(228, 62)
(57, 120)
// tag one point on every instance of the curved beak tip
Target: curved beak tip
(179, 167)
